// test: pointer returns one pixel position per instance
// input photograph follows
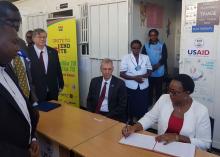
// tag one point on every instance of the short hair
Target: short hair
(38, 31)
(136, 42)
(29, 31)
(153, 30)
(186, 81)
(106, 61)
(5, 6)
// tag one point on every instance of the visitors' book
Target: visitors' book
(148, 142)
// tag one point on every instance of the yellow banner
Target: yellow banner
(62, 37)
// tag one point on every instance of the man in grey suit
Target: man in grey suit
(107, 94)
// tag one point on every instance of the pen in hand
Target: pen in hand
(125, 129)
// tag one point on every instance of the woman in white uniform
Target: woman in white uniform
(135, 69)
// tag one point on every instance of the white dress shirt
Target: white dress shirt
(45, 55)
(129, 65)
(196, 124)
(104, 107)
(11, 87)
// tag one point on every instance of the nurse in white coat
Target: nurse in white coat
(135, 69)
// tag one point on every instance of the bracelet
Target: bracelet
(177, 138)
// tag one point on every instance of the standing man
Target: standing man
(107, 94)
(28, 37)
(9, 14)
(16, 114)
(45, 68)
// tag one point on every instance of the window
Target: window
(84, 42)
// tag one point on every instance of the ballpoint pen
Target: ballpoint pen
(126, 127)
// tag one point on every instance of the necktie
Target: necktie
(101, 98)
(41, 59)
(21, 75)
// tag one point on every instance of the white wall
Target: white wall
(207, 87)
(172, 10)
(109, 44)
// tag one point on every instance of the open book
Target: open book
(178, 149)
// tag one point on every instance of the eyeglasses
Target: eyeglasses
(42, 37)
(174, 93)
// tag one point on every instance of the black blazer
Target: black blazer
(52, 81)
(117, 97)
(14, 128)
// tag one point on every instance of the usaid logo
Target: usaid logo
(198, 51)
(199, 42)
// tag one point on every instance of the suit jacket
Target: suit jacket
(14, 128)
(50, 82)
(117, 97)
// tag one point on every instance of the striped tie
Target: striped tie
(21, 74)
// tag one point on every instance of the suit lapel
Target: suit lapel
(36, 60)
(50, 59)
(35, 57)
(4, 92)
(99, 86)
(10, 71)
(111, 88)
(133, 60)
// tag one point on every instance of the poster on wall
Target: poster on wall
(151, 15)
(200, 69)
(200, 46)
(62, 37)
(190, 16)
(154, 15)
(208, 13)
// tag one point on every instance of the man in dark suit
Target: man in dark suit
(28, 37)
(17, 120)
(45, 68)
(107, 94)
(10, 15)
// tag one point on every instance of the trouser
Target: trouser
(51, 96)
(155, 89)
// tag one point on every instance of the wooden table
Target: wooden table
(106, 144)
(70, 126)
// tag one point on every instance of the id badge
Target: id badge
(138, 67)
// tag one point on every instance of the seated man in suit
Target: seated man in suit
(45, 68)
(17, 120)
(107, 94)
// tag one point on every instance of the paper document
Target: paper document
(139, 140)
(178, 149)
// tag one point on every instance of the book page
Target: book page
(139, 140)
(176, 149)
